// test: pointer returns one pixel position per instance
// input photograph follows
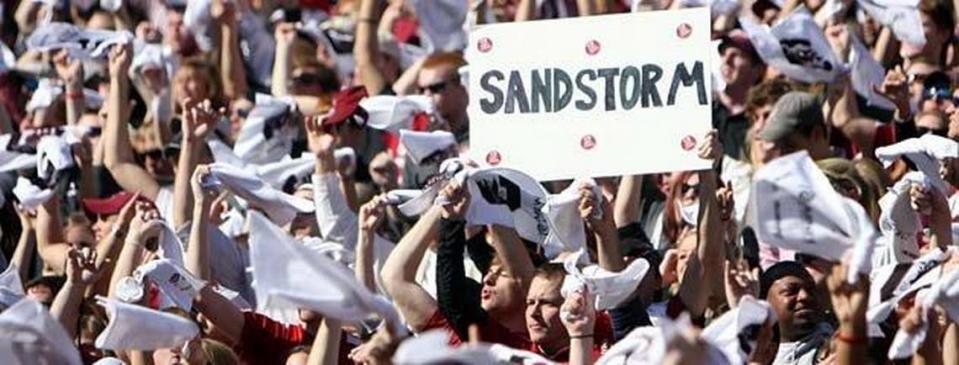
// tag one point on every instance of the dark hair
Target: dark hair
(940, 12)
(551, 271)
(765, 93)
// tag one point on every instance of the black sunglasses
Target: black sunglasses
(307, 79)
(434, 88)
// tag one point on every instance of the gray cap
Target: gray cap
(794, 111)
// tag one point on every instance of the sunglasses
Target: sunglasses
(434, 88)
(937, 92)
(686, 188)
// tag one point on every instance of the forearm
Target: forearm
(526, 10)
(950, 344)
(853, 342)
(116, 138)
(626, 206)
(406, 83)
(585, 7)
(198, 250)
(326, 345)
(108, 249)
(225, 316)
(231, 62)
(940, 227)
(66, 307)
(510, 249)
(88, 181)
(403, 262)
(607, 245)
(126, 263)
(74, 100)
(51, 244)
(364, 259)
(711, 249)
(453, 289)
(348, 187)
(23, 254)
(581, 351)
(281, 69)
(182, 192)
(366, 49)
(886, 45)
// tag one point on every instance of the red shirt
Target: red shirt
(267, 342)
(602, 339)
(490, 331)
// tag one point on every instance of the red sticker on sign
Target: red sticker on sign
(592, 47)
(493, 158)
(587, 142)
(484, 45)
(688, 143)
(684, 30)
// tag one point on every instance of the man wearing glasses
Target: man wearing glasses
(439, 79)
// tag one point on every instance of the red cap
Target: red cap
(108, 206)
(346, 104)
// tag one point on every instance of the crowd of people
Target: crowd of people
(290, 182)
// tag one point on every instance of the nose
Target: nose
(489, 279)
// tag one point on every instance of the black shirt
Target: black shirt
(732, 131)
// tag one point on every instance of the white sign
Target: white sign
(593, 96)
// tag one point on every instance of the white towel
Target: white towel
(30, 195)
(899, 222)
(509, 198)
(308, 279)
(735, 332)
(566, 230)
(796, 46)
(432, 347)
(892, 283)
(281, 207)
(11, 287)
(420, 145)
(902, 17)
(925, 152)
(610, 288)
(134, 327)
(82, 43)
(867, 74)
(29, 335)
(268, 132)
(175, 282)
(796, 208)
(394, 113)
(442, 22)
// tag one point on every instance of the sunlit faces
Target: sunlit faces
(543, 304)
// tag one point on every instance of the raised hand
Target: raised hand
(199, 119)
(740, 282)
(70, 71)
(457, 199)
(371, 214)
(200, 193)
(82, 266)
(849, 301)
(120, 57)
(578, 314)
(895, 87)
(320, 140)
(711, 148)
(145, 226)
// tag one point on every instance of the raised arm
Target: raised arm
(109, 247)
(707, 262)
(526, 10)
(198, 250)
(932, 204)
(511, 250)
(370, 219)
(82, 271)
(399, 271)
(231, 60)
(335, 218)
(27, 244)
(146, 226)
(849, 303)
(221, 312)
(284, 33)
(71, 73)
(603, 227)
(118, 156)
(51, 243)
(626, 208)
(326, 345)
(198, 120)
(456, 293)
(366, 47)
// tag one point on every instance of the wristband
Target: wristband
(74, 95)
(850, 339)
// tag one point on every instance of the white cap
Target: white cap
(421, 145)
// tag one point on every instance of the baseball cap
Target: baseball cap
(739, 39)
(107, 206)
(346, 105)
(794, 111)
